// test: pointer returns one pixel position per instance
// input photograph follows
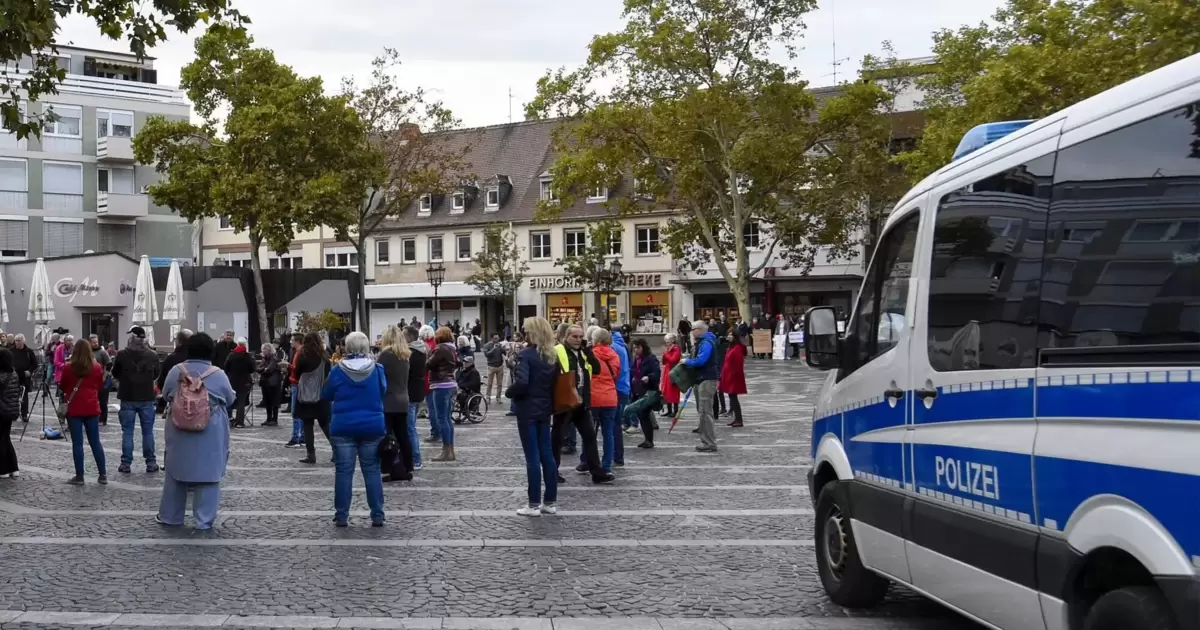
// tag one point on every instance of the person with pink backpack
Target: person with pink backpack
(197, 436)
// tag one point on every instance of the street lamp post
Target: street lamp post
(606, 281)
(435, 274)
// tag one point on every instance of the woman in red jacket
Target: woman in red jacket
(81, 382)
(733, 376)
(672, 355)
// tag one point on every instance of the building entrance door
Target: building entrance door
(103, 325)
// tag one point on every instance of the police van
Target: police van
(1011, 421)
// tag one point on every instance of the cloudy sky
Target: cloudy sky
(470, 53)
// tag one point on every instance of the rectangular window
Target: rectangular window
(984, 280)
(408, 250)
(751, 235)
(435, 249)
(459, 201)
(574, 243)
(223, 223)
(61, 239)
(13, 175)
(598, 195)
(118, 238)
(539, 245)
(64, 120)
(14, 239)
(62, 178)
(1130, 273)
(426, 203)
(647, 240)
(341, 258)
(114, 123)
(493, 197)
(548, 193)
(382, 252)
(117, 180)
(464, 246)
(614, 242)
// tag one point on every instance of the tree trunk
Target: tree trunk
(260, 300)
(741, 293)
(364, 321)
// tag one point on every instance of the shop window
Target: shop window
(650, 311)
(984, 281)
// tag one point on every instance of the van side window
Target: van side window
(879, 318)
(986, 273)
(1124, 239)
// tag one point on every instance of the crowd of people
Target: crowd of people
(571, 389)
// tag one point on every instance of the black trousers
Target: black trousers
(271, 398)
(718, 404)
(736, 407)
(646, 421)
(104, 393)
(8, 454)
(242, 398)
(582, 421)
(398, 424)
(310, 433)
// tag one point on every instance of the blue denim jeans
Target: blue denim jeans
(77, 426)
(366, 450)
(439, 400)
(129, 415)
(539, 461)
(412, 434)
(297, 423)
(611, 431)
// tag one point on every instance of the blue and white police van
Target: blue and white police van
(1011, 421)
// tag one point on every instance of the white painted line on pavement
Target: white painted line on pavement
(103, 619)
(13, 508)
(441, 468)
(397, 542)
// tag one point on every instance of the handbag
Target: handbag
(62, 411)
(566, 397)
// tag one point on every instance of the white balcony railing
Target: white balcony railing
(98, 86)
(114, 149)
(122, 205)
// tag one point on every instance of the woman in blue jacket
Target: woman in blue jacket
(533, 392)
(356, 388)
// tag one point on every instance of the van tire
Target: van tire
(847, 582)
(1133, 608)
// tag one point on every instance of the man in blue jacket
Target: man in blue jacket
(623, 390)
(704, 360)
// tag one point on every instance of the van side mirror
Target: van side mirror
(822, 345)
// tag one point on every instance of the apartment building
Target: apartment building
(78, 187)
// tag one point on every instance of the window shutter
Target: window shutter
(62, 239)
(14, 235)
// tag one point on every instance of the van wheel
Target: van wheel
(846, 580)
(1135, 608)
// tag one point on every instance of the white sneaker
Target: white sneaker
(549, 509)
(14, 474)
(529, 511)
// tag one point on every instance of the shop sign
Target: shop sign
(570, 282)
(68, 288)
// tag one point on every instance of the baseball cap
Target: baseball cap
(138, 331)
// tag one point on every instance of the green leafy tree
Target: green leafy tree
(1040, 56)
(284, 158)
(500, 267)
(709, 127)
(404, 155)
(326, 320)
(582, 266)
(29, 29)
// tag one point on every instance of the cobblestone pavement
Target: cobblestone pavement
(681, 540)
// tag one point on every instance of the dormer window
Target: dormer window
(493, 198)
(459, 201)
(426, 203)
(548, 192)
(598, 195)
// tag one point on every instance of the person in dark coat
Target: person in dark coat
(270, 379)
(733, 376)
(24, 363)
(310, 358)
(136, 369)
(10, 410)
(416, 387)
(394, 356)
(533, 391)
(240, 368)
(646, 375)
(720, 409)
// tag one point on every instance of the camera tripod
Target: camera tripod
(40, 384)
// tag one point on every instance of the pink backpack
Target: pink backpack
(190, 410)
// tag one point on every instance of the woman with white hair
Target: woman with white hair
(355, 390)
(466, 348)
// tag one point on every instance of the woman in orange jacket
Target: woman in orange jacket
(604, 396)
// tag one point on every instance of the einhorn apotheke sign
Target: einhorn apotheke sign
(628, 280)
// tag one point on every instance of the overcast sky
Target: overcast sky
(469, 53)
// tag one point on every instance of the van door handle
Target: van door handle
(893, 392)
(927, 393)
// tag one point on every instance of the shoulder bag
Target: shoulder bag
(62, 411)
(566, 397)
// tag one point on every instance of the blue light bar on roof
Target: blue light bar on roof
(986, 134)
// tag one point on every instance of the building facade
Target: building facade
(78, 187)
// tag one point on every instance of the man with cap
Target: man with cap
(136, 369)
(469, 381)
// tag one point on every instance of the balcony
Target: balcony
(114, 88)
(115, 149)
(122, 205)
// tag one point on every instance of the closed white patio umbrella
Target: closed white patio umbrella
(174, 304)
(145, 307)
(41, 306)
